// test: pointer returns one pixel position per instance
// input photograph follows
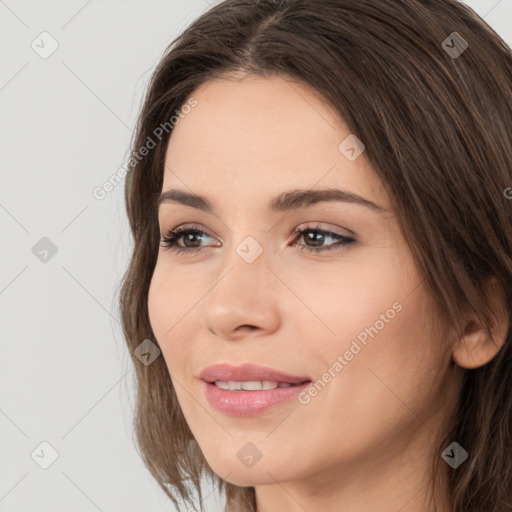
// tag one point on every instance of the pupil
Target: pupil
(316, 238)
(190, 238)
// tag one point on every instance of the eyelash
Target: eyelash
(169, 242)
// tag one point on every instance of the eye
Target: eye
(315, 238)
(191, 238)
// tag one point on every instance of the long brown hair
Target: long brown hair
(435, 114)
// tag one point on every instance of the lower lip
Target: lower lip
(249, 403)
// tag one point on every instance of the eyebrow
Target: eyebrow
(286, 201)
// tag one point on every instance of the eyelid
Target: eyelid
(310, 225)
(195, 227)
(170, 240)
(325, 226)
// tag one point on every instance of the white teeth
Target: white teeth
(221, 384)
(252, 385)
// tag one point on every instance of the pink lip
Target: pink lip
(247, 372)
(248, 403)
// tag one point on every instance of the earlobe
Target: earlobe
(475, 349)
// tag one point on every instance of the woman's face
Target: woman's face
(343, 333)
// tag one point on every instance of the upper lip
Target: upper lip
(248, 372)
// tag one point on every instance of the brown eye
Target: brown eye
(191, 240)
(315, 238)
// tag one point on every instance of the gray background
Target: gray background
(65, 126)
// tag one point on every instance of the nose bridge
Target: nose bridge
(241, 294)
(246, 263)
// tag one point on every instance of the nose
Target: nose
(242, 301)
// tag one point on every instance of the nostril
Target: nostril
(250, 327)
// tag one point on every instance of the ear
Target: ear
(475, 348)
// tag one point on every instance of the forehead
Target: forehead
(260, 135)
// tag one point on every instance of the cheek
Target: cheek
(380, 315)
(358, 303)
(171, 310)
(396, 369)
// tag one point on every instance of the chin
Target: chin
(261, 472)
(248, 477)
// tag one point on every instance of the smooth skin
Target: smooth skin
(365, 441)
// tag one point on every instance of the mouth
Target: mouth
(248, 373)
(251, 385)
(249, 390)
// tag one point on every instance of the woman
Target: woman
(322, 238)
